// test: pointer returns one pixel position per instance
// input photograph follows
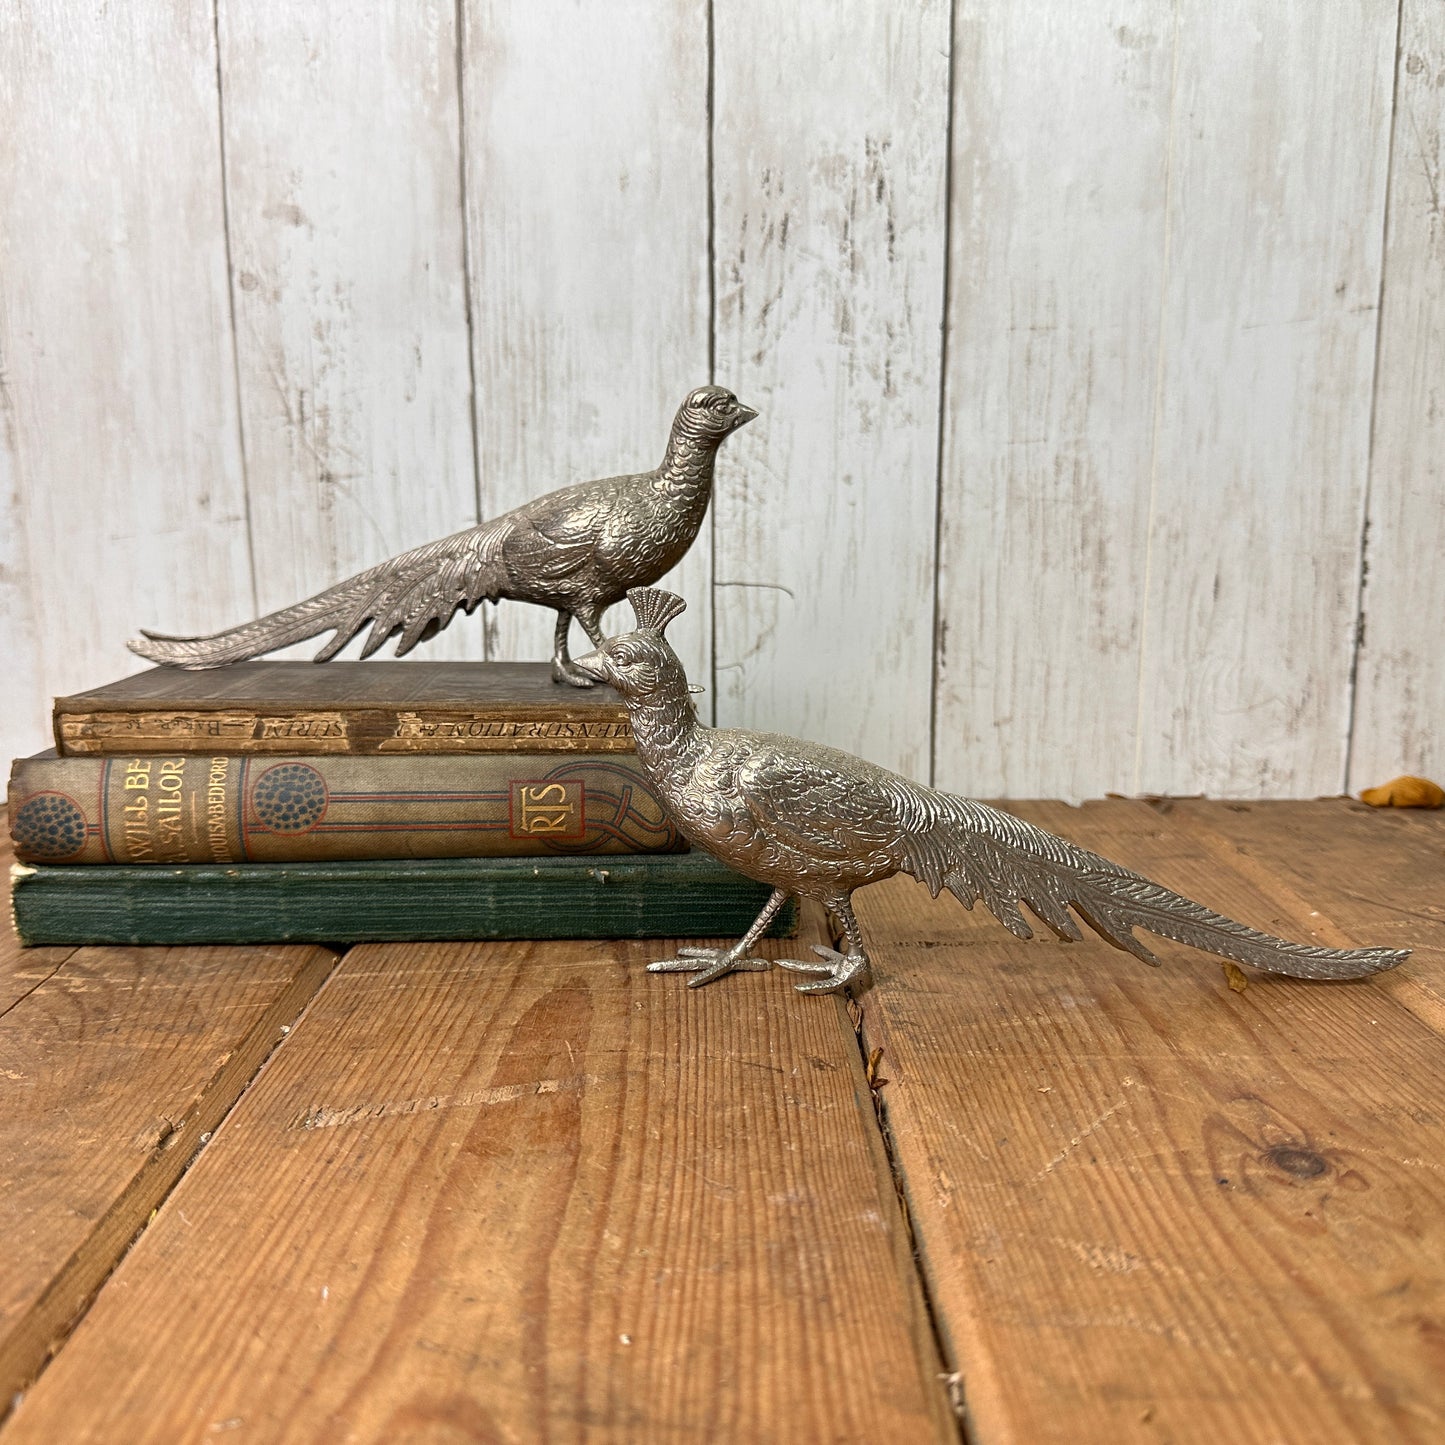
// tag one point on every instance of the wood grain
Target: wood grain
(1261, 431)
(587, 213)
(22, 970)
(518, 1192)
(1149, 1207)
(343, 181)
(1400, 688)
(119, 393)
(1052, 373)
(1376, 874)
(829, 142)
(117, 1064)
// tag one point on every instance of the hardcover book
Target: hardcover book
(139, 808)
(684, 895)
(305, 709)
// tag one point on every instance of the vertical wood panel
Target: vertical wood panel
(344, 186)
(119, 412)
(1401, 685)
(1061, 118)
(829, 144)
(1276, 195)
(23, 721)
(1165, 255)
(586, 135)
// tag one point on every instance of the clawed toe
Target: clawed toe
(840, 971)
(708, 964)
(799, 965)
(686, 961)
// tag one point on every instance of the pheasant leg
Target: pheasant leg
(590, 619)
(711, 963)
(563, 668)
(841, 970)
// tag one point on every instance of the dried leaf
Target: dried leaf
(1406, 792)
(1234, 976)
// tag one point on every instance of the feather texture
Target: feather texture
(979, 852)
(415, 591)
(577, 550)
(815, 821)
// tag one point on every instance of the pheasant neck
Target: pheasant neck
(686, 469)
(664, 726)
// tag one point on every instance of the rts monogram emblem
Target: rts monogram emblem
(547, 810)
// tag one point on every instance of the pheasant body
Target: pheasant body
(576, 550)
(813, 821)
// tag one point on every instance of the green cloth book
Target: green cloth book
(670, 895)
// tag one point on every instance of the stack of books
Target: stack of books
(288, 802)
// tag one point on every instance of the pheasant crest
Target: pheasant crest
(654, 607)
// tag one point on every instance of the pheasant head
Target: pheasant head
(641, 664)
(711, 413)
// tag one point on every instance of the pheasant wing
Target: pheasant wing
(417, 593)
(557, 535)
(526, 551)
(819, 802)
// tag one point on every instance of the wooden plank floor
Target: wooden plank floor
(521, 1192)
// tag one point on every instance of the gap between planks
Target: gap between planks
(871, 1317)
(1090, 1283)
(871, 1060)
(43, 1328)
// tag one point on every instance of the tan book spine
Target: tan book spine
(301, 732)
(137, 808)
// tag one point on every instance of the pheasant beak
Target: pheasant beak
(745, 414)
(594, 665)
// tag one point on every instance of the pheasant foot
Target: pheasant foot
(569, 672)
(709, 964)
(840, 972)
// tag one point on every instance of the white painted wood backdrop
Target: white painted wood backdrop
(1100, 350)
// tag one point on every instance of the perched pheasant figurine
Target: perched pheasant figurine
(814, 821)
(577, 550)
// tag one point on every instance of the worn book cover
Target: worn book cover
(686, 895)
(225, 808)
(305, 709)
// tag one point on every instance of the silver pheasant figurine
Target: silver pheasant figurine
(577, 550)
(813, 821)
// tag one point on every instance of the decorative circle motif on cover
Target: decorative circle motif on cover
(48, 825)
(289, 798)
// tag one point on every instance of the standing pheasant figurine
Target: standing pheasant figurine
(577, 550)
(814, 821)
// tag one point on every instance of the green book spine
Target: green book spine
(683, 895)
(138, 809)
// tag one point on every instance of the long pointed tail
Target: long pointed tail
(977, 852)
(333, 609)
(1112, 905)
